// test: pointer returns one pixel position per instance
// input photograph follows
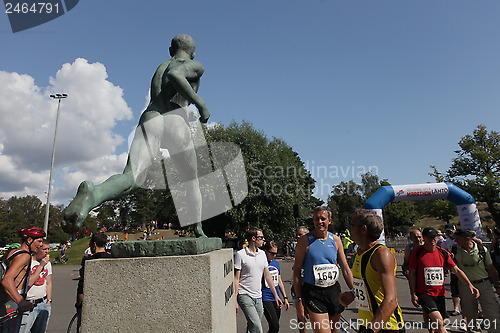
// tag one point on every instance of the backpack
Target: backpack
(481, 250)
(5, 261)
(445, 254)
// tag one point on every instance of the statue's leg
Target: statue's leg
(178, 141)
(144, 148)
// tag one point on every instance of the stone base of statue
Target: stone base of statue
(175, 293)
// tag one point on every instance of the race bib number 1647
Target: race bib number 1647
(325, 275)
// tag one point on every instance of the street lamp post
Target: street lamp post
(47, 208)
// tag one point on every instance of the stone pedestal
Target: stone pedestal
(190, 293)
(167, 247)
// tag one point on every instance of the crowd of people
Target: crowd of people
(26, 284)
(320, 258)
(370, 275)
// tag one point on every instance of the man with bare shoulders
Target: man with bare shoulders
(316, 274)
(14, 283)
(374, 273)
(164, 124)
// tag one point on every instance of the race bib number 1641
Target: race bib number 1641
(434, 276)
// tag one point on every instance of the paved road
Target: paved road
(65, 281)
(287, 321)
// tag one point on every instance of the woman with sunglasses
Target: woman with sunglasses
(271, 310)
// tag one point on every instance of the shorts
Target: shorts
(432, 303)
(322, 299)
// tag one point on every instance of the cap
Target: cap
(449, 227)
(462, 232)
(430, 232)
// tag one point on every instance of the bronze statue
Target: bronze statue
(164, 124)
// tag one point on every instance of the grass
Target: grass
(74, 253)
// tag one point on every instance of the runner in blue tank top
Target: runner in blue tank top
(318, 253)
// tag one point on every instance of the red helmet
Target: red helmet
(33, 232)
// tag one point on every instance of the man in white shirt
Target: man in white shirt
(250, 264)
(39, 293)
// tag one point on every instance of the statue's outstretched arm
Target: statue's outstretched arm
(180, 78)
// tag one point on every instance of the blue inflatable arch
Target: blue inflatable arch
(466, 205)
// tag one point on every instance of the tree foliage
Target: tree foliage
(346, 197)
(477, 168)
(399, 217)
(277, 180)
(22, 212)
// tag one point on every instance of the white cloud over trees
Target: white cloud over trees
(86, 137)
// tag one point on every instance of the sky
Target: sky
(387, 86)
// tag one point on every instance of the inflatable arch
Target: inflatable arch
(466, 205)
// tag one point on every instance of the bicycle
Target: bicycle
(60, 260)
(73, 324)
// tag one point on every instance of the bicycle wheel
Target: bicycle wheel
(72, 324)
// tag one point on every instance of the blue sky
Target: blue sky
(351, 85)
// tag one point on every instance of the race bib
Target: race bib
(360, 295)
(433, 276)
(274, 275)
(325, 275)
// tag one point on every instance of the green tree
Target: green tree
(345, 198)
(441, 209)
(370, 184)
(477, 168)
(17, 213)
(277, 180)
(399, 216)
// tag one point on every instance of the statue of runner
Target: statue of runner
(164, 124)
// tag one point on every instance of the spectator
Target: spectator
(250, 265)
(495, 249)
(448, 245)
(475, 261)
(15, 281)
(97, 245)
(40, 292)
(416, 240)
(272, 311)
(299, 307)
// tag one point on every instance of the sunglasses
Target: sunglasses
(273, 253)
(259, 237)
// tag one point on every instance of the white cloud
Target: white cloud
(86, 142)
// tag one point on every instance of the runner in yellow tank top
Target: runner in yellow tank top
(374, 272)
